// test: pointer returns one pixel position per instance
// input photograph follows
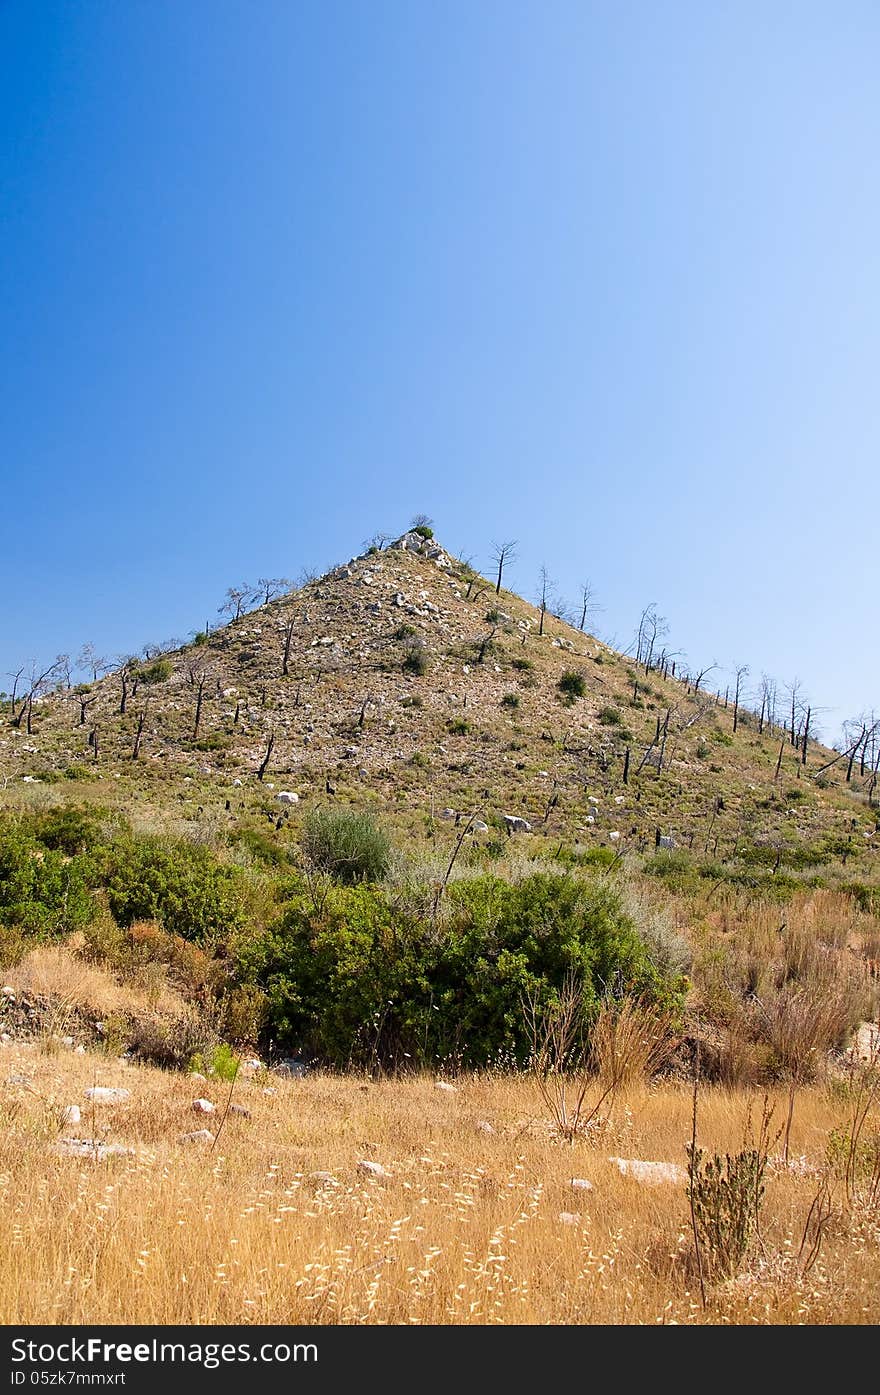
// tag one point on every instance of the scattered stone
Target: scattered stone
(866, 1042)
(292, 1068)
(478, 826)
(650, 1174)
(107, 1094)
(483, 1126)
(373, 1169)
(447, 814)
(197, 1136)
(240, 1111)
(614, 837)
(514, 824)
(67, 1041)
(324, 1179)
(287, 797)
(581, 1184)
(201, 1106)
(197, 1075)
(445, 1085)
(91, 1148)
(570, 1217)
(71, 1114)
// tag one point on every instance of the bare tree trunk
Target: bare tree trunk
(199, 692)
(267, 757)
(136, 750)
(779, 762)
(288, 639)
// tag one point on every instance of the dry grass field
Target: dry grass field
(277, 1223)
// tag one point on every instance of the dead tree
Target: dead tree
(701, 675)
(85, 701)
(15, 681)
(502, 553)
(288, 641)
(806, 734)
(793, 689)
(264, 764)
(544, 595)
(272, 587)
(89, 659)
(587, 603)
(741, 673)
(484, 643)
(39, 684)
(237, 597)
(142, 717)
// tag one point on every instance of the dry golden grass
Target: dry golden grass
(55, 972)
(466, 1229)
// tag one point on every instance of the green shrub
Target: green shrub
(457, 726)
(572, 685)
(362, 980)
(610, 717)
(181, 885)
(42, 891)
(200, 637)
(348, 846)
(522, 665)
(157, 672)
(69, 829)
(415, 660)
(510, 700)
(423, 530)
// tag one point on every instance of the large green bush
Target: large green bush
(42, 891)
(356, 979)
(351, 847)
(182, 885)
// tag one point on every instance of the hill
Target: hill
(402, 683)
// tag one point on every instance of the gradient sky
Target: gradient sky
(603, 277)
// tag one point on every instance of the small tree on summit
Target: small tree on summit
(423, 525)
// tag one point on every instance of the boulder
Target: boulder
(107, 1094)
(650, 1174)
(373, 1169)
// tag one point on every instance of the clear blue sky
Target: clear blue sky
(602, 277)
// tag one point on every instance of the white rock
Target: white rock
(91, 1148)
(324, 1179)
(445, 1085)
(71, 1114)
(581, 1184)
(236, 784)
(197, 1075)
(483, 1126)
(620, 799)
(591, 799)
(613, 837)
(201, 1106)
(570, 1217)
(197, 1136)
(287, 797)
(107, 1094)
(650, 1174)
(372, 1169)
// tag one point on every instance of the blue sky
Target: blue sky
(600, 277)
